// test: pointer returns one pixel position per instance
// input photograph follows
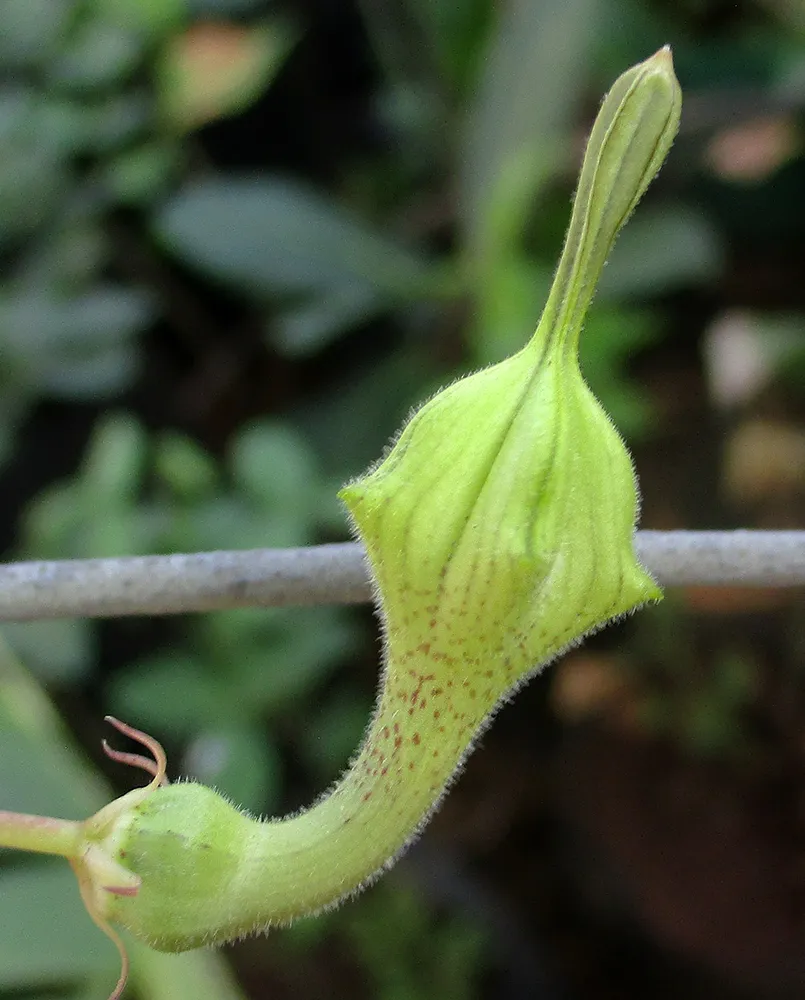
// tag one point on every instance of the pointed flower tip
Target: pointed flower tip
(662, 64)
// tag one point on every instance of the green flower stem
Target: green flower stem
(41, 834)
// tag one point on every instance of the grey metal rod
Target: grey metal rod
(204, 581)
(337, 574)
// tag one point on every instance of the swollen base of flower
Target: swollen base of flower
(98, 872)
(90, 846)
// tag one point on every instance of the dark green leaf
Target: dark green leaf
(115, 121)
(456, 32)
(112, 468)
(67, 258)
(100, 53)
(661, 249)
(223, 8)
(32, 174)
(533, 77)
(32, 779)
(152, 17)
(184, 466)
(611, 338)
(274, 674)
(274, 465)
(74, 346)
(314, 324)
(334, 732)
(266, 236)
(31, 30)
(139, 176)
(233, 522)
(515, 292)
(171, 694)
(59, 651)
(240, 763)
(47, 935)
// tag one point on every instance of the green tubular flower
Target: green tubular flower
(499, 530)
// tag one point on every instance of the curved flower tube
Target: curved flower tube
(499, 530)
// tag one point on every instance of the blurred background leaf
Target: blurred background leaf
(218, 69)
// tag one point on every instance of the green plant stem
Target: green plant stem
(41, 834)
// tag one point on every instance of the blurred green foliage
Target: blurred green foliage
(93, 97)
(187, 203)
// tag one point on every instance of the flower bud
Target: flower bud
(499, 530)
(631, 137)
(189, 848)
(500, 526)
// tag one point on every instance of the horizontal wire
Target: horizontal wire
(338, 574)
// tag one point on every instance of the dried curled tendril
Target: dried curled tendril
(156, 767)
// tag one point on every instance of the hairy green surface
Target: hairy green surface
(499, 529)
